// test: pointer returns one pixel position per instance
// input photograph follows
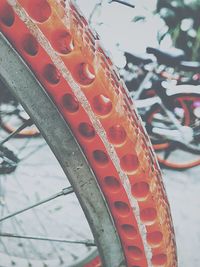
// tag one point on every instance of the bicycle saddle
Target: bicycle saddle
(170, 57)
(190, 66)
(137, 59)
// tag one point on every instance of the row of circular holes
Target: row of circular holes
(153, 238)
(103, 107)
(157, 260)
(139, 190)
(61, 41)
(102, 104)
(117, 135)
(31, 46)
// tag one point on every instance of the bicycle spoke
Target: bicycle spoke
(65, 191)
(24, 146)
(2, 191)
(5, 113)
(17, 227)
(14, 224)
(38, 218)
(18, 130)
(33, 152)
(195, 124)
(60, 240)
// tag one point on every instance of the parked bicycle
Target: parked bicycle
(168, 102)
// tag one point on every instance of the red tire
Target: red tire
(66, 58)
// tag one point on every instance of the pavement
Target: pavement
(183, 189)
(39, 176)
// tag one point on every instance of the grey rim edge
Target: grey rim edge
(16, 75)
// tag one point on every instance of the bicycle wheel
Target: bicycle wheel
(186, 109)
(156, 115)
(123, 197)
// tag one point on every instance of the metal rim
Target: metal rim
(61, 141)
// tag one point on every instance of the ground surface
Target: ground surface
(39, 176)
(183, 190)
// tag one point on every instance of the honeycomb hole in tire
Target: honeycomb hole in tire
(154, 238)
(148, 216)
(134, 252)
(129, 231)
(7, 15)
(30, 45)
(86, 130)
(112, 184)
(159, 260)
(84, 73)
(122, 208)
(129, 163)
(100, 157)
(140, 190)
(62, 42)
(51, 74)
(70, 103)
(116, 134)
(102, 105)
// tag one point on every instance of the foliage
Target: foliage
(183, 19)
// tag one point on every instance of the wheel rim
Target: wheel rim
(165, 150)
(64, 135)
(137, 251)
(185, 120)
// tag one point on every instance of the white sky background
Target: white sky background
(114, 24)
